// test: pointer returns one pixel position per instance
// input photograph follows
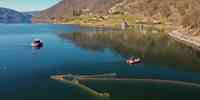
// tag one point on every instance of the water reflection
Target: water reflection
(154, 48)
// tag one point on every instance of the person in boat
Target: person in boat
(37, 43)
(133, 60)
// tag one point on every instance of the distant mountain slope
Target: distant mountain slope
(184, 12)
(32, 13)
(178, 12)
(66, 8)
(12, 16)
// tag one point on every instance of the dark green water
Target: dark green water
(25, 72)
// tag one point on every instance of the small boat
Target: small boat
(133, 61)
(37, 43)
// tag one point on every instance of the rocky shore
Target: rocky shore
(192, 41)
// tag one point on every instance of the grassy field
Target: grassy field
(116, 20)
(109, 21)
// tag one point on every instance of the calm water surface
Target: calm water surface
(25, 72)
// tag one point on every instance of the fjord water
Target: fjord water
(25, 71)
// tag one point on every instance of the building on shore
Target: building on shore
(124, 25)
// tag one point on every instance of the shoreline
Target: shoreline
(164, 27)
(186, 40)
(171, 31)
(90, 25)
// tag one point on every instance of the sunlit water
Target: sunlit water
(25, 71)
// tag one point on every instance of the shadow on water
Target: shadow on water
(152, 48)
(155, 49)
(25, 72)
